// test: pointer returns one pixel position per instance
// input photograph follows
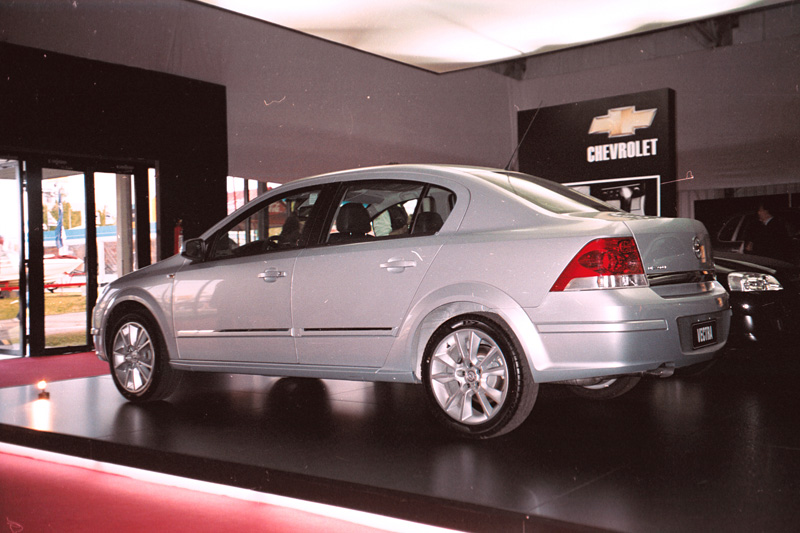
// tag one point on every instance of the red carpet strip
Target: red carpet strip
(30, 370)
(38, 494)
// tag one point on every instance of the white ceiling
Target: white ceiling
(446, 35)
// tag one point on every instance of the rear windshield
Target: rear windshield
(546, 194)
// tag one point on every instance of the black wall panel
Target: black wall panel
(57, 105)
(561, 145)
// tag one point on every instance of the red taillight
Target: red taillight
(603, 264)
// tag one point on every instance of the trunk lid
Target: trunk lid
(667, 245)
(671, 245)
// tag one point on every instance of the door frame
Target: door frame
(19, 351)
(31, 287)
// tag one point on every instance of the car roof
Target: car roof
(441, 170)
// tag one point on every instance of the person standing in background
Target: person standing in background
(769, 237)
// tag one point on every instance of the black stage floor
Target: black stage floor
(716, 452)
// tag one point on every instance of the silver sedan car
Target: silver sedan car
(479, 284)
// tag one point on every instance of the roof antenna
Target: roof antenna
(514, 153)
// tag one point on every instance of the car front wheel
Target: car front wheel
(138, 359)
(476, 378)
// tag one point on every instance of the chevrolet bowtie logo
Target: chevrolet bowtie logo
(622, 121)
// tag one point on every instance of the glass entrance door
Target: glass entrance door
(12, 256)
(66, 229)
(59, 225)
(66, 220)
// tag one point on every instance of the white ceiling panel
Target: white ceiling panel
(446, 35)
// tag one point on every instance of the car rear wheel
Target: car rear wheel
(476, 378)
(606, 389)
(138, 359)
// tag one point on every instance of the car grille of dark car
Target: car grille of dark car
(676, 278)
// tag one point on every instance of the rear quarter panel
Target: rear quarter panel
(504, 258)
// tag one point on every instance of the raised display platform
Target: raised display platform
(717, 452)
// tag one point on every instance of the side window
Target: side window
(434, 209)
(395, 219)
(728, 230)
(370, 209)
(750, 226)
(278, 225)
(389, 208)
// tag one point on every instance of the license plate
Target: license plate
(704, 334)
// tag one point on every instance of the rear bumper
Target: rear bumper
(626, 331)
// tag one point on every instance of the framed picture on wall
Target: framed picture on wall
(639, 195)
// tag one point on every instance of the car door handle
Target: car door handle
(397, 265)
(271, 275)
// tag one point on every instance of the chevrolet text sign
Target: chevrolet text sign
(604, 139)
(622, 122)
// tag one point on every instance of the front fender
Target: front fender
(155, 300)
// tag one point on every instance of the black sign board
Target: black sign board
(620, 149)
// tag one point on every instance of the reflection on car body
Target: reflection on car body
(480, 284)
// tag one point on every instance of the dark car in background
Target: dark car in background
(764, 297)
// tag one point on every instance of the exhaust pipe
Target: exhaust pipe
(664, 371)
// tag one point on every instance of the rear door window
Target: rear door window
(389, 208)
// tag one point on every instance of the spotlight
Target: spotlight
(43, 394)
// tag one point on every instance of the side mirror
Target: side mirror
(194, 249)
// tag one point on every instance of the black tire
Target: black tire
(606, 389)
(485, 394)
(138, 359)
